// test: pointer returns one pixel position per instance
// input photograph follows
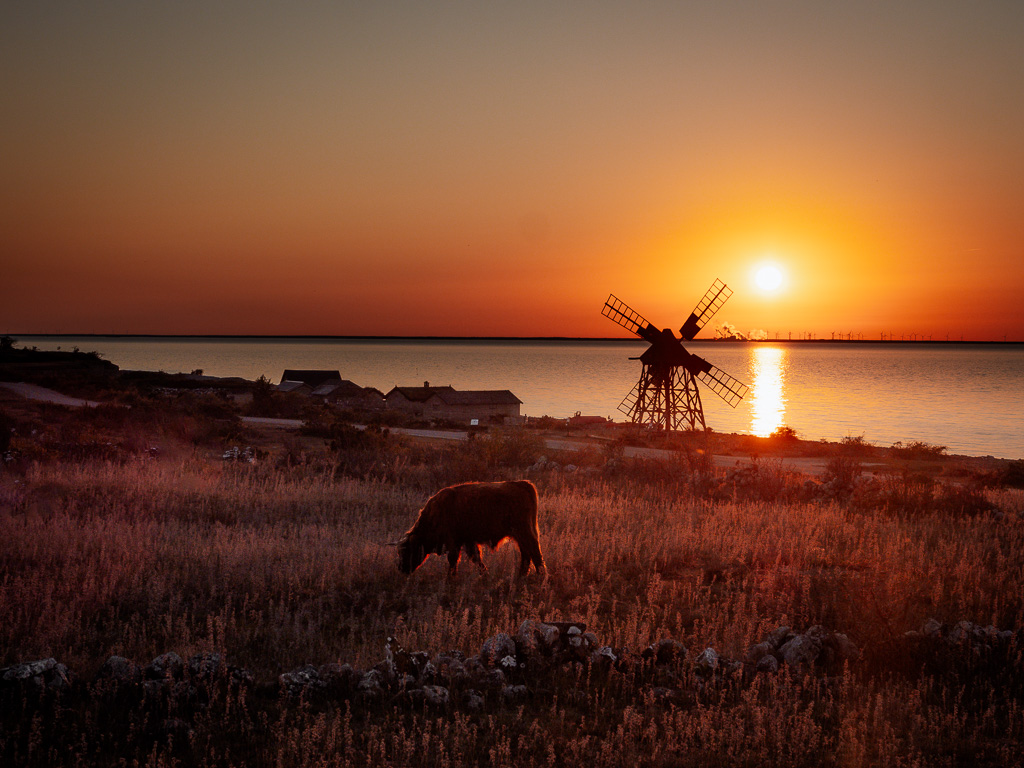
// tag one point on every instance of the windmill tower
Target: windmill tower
(666, 396)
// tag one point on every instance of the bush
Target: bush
(917, 450)
(263, 398)
(842, 471)
(856, 445)
(901, 493)
(784, 434)
(510, 448)
(963, 500)
(1012, 474)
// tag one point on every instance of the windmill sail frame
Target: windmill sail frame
(666, 395)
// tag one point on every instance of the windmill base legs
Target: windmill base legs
(669, 401)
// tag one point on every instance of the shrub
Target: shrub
(840, 475)
(785, 434)
(1012, 474)
(510, 448)
(963, 500)
(265, 398)
(917, 450)
(856, 445)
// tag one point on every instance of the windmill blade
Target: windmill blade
(722, 384)
(730, 389)
(628, 318)
(628, 404)
(706, 308)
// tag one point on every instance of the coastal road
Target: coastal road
(35, 392)
(811, 466)
(808, 466)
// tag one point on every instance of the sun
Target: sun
(769, 278)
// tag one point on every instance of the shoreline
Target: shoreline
(524, 339)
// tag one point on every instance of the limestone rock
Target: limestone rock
(665, 651)
(757, 652)
(707, 662)
(514, 694)
(436, 696)
(802, 650)
(529, 640)
(371, 687)
(450, 669)
(340, 680)
(119, 669)
(205, 666)
(167, 666)
(296, 682)
(779, 636)
(603, 658)
(492, 679)
(497, 648)
(845, 648)
(472, 700)
(34, 677)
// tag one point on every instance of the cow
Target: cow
(468, 515)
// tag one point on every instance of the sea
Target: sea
(967, 397)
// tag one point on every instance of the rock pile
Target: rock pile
(510, 668)
(234, 453)
(34, 678)
(967, 635)
(544, 464)
(817, 648)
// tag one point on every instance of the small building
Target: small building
(578, 420)
(312, 379)
(448, 403)
(289, 387)
(348, 394)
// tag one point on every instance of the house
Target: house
(290, 387)
(448, 403)
(348, 394)
(312, 379)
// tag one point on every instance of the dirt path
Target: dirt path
(35, 392)
(810, 466)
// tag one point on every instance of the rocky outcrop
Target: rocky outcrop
(537, 660)
(815, 649)
(34, 678)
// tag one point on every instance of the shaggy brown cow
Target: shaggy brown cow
(468, 515)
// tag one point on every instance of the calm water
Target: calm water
(967, 397)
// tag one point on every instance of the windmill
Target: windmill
(666, 395)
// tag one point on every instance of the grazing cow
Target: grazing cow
(468, 515)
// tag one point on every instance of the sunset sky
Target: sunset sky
(486, 168)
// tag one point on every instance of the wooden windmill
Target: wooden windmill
(666, 395)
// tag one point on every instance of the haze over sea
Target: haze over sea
(968, 397)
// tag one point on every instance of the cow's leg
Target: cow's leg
(453, 560)
(525, 554)
(473, 550)
(538, 559)
(529, 550)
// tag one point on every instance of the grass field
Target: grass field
(286, 562)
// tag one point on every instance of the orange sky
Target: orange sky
(498, 169)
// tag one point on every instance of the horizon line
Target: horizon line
(357, 337)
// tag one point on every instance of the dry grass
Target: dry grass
(278, 565)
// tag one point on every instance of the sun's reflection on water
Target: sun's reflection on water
(768, 401)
